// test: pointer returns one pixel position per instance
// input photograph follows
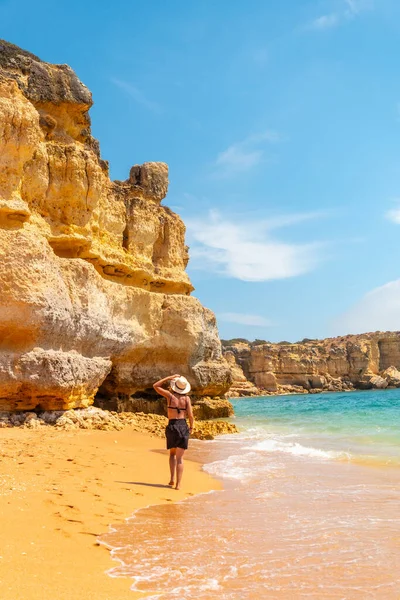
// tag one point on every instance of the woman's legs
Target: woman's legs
(179, 466)
(172, 465)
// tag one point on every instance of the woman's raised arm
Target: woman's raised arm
(158, 385)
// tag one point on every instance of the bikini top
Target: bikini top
(179, 409)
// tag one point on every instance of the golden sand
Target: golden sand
(60, 490)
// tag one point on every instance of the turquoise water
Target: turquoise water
(309, 510)
(363, 424)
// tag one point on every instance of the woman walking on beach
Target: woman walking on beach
(177, 431)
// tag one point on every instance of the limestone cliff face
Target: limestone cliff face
(92, 272)
(354, 361)
(241, 386)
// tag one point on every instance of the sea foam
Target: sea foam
(273, 445)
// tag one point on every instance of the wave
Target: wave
(187, 591)
(236, 466)
(273, 445)
(251, 462)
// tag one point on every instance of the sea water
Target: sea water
(310, 508)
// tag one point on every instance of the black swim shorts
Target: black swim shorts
(177, 434)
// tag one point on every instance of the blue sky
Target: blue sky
(280, 122)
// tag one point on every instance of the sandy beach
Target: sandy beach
(60, 490)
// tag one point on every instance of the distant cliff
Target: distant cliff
(93, 288)
(343, 363)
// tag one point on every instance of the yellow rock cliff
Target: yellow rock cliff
(354, 361)
(92, 273)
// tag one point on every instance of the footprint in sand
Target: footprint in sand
(74, 521)
(72, 507)
(65, 533)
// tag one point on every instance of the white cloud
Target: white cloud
(243, 319)
(325, 21)
(237, 158)
(355, 7)
(245, 250)
(243, 156)
(264, 136)
(378, 310)
(394, 214)
(350, 10)
(137, 95)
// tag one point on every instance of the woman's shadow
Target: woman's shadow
(156, 485)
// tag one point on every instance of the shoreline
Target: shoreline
(62, 490)
(289, 522)
(112, 550)
(313, 393)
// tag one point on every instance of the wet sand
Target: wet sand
(60, 490)
(285, 527)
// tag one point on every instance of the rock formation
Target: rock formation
(364, 361)
(203, 408)
(241, 386)
(93, 286)
(95, 418)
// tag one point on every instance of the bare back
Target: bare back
(178, 406)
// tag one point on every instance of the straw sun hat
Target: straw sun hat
(180, 385)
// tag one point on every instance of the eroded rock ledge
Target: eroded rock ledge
(370, 360)
(93, 288)
(95, 418)
(203, 408)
